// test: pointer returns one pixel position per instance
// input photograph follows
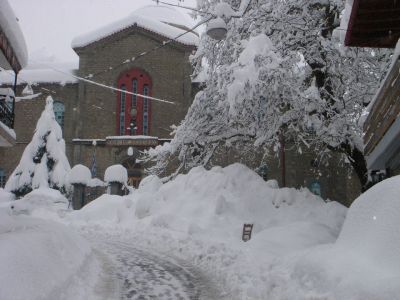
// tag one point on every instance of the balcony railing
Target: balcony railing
(7, 102)
(384, 111)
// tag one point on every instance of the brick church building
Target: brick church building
(132, 55)
(100, 124)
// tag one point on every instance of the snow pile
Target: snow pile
(144, 21)
(6, 196)
(362, 264)
(216, 203)
(43, 260)
(10, 27)
(377, 212)
(79, 174)
(116, 173)
(39, 200)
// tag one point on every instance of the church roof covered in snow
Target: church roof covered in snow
(161, 20)
(10, 28)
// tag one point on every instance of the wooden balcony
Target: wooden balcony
(6, 108)
(374, 23)
(385, 110)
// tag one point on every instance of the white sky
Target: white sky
(50, 25)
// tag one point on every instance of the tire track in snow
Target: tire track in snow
(144, 274)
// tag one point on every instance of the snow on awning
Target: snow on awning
(10, 27)
(135, 19)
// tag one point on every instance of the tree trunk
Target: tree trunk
(357, 160)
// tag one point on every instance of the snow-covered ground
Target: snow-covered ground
(177, 239)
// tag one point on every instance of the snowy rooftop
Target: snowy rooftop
(9, 25)
(153, 18)
(33, 76)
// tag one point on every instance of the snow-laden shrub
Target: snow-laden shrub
(43, 163)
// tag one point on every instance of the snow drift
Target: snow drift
(39, 259)
(217, 203)
(362, 264)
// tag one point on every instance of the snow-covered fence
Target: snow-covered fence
(116, 177)
(85, 188)
(95, 189)
(78, 177)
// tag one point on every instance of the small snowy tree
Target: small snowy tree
(43, 163)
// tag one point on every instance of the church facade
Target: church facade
(139, 60)
(139, 55)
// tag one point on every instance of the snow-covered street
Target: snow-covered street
(140, 273)
(182, 240)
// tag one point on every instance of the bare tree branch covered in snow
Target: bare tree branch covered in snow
(281, 70)
(43, 163)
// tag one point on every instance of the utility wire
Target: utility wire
(108, 87)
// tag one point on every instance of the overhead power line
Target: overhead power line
(108, 87)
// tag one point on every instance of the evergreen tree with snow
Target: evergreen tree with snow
(43, 163)
(281, 71)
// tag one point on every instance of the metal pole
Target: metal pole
(13, 105)
(283, 160)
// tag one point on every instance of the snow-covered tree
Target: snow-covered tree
(281, 71)
(43, 162)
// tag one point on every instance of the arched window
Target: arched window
(59, 111)
(145, 110)
(2, 178)
(122, 110)
(134, 90)
(139, 82)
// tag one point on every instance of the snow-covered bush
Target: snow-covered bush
(43, 163)
(79, 174)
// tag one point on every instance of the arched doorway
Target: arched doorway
(135, 171)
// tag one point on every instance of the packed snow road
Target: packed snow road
(142, 274)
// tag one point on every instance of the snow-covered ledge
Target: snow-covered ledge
(7, 136)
